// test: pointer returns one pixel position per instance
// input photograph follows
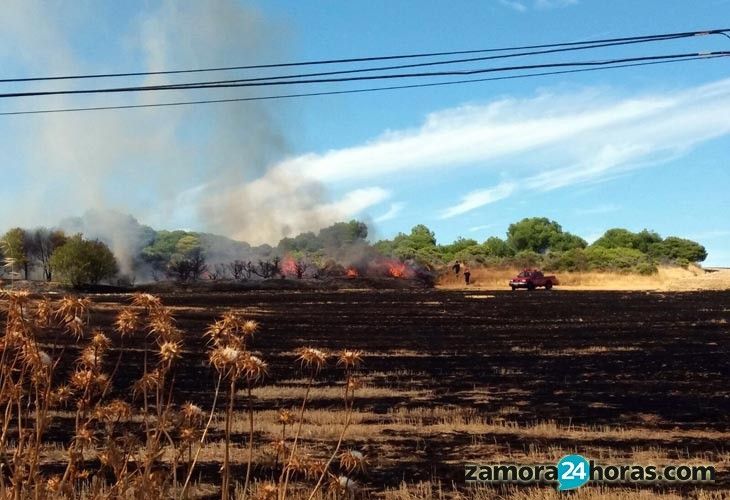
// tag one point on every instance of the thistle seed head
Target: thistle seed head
(349, 359)
(170, 351)
(146, 300)
(266, 491)
(127, 322)
(352, 460)
(286, 417)
(100, 341)
(253, 368)
(312, 358)
(192, 412)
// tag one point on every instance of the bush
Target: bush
(497, 247)
(674, 249)
(540, 234)
(81, 262)
(572, 260)
(527, 259)
(618, 259)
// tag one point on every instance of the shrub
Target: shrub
(674, 249)
(497, 247)
(80, 262)
(526, 259)
(572, 260)
(618, 259)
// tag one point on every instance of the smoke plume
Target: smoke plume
(205, 168)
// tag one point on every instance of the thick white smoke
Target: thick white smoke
(204, 167)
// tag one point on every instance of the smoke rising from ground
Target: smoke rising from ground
(166, 166)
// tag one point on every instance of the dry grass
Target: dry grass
(160, 460)
(667, 278)
(437, 491)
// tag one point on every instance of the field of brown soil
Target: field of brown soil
(667, 278)
(457, 376)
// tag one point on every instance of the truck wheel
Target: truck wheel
(514, 288)
(548, 285)
(531, 286)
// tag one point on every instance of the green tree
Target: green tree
(570, 260)
(527, 259)
(565, 241)
(676, 249)
(188, 266)
(623, 238)
(497, 247)
(540, 234)
(304, 242)
(421, 236)
(645, 239)
(343, 234)
(421, 240)
(15, 248)
(167, 244)
(42, 243)
(619, 259)
(187, 244)
(80, 262)
(617, 238)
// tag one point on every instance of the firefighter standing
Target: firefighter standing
(467, 275)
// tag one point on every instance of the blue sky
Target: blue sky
(638, 148)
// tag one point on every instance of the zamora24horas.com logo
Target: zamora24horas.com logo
(573, 471)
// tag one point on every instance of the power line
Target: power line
(352, 91)
(372, 58)
(430, 63)
(208, 85)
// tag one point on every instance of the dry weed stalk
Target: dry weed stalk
(132, 463)
(349, 360)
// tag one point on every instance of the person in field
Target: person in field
(467, 275)
(456, 267)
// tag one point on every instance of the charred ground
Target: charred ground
(455, 376)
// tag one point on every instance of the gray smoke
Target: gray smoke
(204, 168)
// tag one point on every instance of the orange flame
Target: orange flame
(397, 270)
(289, 266)
(352, 273)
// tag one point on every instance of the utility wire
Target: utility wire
(206, 85)
(431, 63)
(351, 91)
(686, 34)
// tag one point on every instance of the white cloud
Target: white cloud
(393, 211)
(482, 227)
(554, 4)
(546, 142)
(479, 198)
(522, 6)
(514, 4)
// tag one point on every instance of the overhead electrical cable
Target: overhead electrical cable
(353, 91)
(415, 65)
(657, 37)
(208, 85)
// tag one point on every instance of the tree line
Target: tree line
(73, 259)
(186, 256)
(541, 242)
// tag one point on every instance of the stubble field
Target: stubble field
(460, 376)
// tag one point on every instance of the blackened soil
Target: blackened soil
(618, 359)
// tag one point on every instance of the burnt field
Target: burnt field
(457, 376)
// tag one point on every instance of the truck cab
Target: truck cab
(531, 279)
